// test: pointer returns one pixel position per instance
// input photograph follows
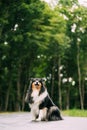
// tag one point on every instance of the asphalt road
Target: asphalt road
(22, 121)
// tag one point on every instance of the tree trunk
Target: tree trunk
(83, 90)
(7, 98)
(79, 76)
(7, 94)
(1, 99)
(52, 88)
(23, 102)
(18, 104)
(59, 83)
(67, 97)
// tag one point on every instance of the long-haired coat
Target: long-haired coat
(40, 103)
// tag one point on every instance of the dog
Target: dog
(40, 103)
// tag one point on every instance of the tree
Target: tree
(75, 31)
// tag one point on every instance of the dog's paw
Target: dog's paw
(38, 119)
(33, 119)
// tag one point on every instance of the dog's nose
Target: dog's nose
(36, 83)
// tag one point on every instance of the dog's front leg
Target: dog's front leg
(40, 115)
(34, 112)
(34, 116)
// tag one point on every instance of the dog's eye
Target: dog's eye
(40, 81)
(33, 80)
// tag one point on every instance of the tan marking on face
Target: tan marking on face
(36, 87)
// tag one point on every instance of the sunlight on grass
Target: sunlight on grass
(74, 112)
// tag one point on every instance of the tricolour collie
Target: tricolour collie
(40, 103)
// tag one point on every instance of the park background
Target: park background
(43, 40)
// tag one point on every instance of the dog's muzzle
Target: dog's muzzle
(36, 83)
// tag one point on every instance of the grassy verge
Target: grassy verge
(75, 112)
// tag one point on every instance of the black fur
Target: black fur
(46, 103)
(51, 115)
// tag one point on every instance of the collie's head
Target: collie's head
(36, 87)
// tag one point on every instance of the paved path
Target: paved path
(22, 121)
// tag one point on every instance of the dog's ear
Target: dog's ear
(43, 79)
(30, 80)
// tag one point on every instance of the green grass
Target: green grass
(75, 113)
